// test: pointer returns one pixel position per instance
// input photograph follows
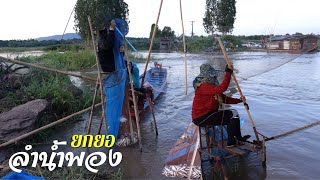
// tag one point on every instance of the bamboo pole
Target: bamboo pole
(47, 69)
(135, 105)
(45, 127)
(151, 44)
(184, 50)
(194, 156)
(103, 116)
(293, 131)
(154, 118)
(92, 107)
(264, 152)
(130, 121)
(239, 89)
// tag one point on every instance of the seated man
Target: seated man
(209, 98)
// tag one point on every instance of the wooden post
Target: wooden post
(47, 69)
(135, 105)
(103, 116)
(184, 50)
(154, 118)
(92, 107)
(194, 155)
(45, 127)
(239, 89)
(151, 43)
(130, 122)
(264, 152)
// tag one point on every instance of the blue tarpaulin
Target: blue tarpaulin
(114, 84)
(21, 176)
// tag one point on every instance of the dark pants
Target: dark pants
(222, 117)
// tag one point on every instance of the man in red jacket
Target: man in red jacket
(208, 100)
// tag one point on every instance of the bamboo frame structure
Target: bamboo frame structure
(99, 85)
(239, 89)
(135, 105)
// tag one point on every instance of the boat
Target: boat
(156, 78)
(210, 162)
(154, 85)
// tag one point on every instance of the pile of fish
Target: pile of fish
(125, 140)
(182, 171)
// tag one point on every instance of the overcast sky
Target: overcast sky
(25, 19)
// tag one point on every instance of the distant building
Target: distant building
(165, 44)
(304, 43)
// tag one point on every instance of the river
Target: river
(282, 91)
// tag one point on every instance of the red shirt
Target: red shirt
(204, 100)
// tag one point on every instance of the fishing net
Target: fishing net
(114, 84)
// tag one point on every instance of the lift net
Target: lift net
(114, 84)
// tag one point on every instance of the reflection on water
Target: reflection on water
(282, 93)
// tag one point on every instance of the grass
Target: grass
(52, 87)
(72, 60)
(69, 60)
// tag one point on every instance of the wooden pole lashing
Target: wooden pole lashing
(103, 116)
(45, 127)
(184, 50)
(239, 89)
(151, 43)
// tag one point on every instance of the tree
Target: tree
(167, 32)
(219, 15)
(226, 15)
(209, 20)
(158, 31)
(99, 11)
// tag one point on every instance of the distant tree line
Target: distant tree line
(36, 43)
(166, 32)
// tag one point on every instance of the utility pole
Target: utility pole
(192, 29)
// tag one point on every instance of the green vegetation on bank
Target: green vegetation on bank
(35, 43)
(68, 60)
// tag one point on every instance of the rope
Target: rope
(280, 64)
(69, 20)
(293, 131)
